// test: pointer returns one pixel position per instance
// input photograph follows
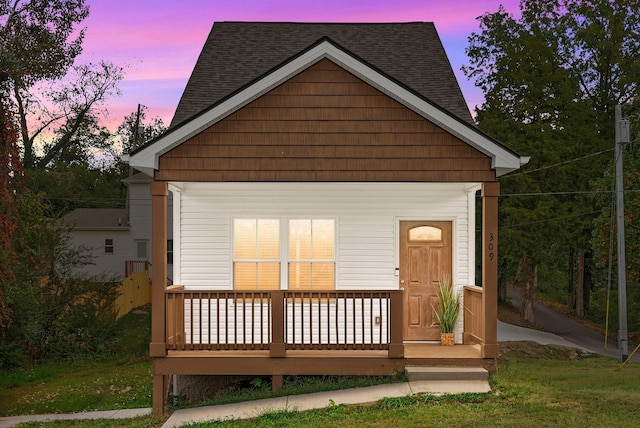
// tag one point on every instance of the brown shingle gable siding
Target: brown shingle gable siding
(357, 134)
(236, 53)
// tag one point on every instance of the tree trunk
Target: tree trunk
(570, 290)
(502, 281)
(531, 285)
(27, 143)
(588, 280)
(527, 278)
(580, 286)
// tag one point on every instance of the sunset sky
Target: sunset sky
(158, 41)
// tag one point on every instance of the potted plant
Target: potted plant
(447, 310)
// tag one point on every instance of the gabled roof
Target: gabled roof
(236, 53)
(87, 219)
(503, 160)
(139, 178)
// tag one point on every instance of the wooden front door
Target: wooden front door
(425, 256)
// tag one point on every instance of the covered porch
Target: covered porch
(307, 332)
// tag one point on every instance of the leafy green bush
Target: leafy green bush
(56, 313)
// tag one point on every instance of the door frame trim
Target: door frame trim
(454, 241)
(454, 263)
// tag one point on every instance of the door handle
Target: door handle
(402, 281)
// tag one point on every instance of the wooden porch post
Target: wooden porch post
(396, 344)
(277, 348)
(490, 194)
(158, 347)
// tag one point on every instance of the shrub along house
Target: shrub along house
(324, 178)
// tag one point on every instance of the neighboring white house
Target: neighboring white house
(117, 235)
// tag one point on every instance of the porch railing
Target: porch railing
(473, 314)
(283, 320)
(131, 266)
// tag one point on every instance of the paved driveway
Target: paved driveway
(564, 328)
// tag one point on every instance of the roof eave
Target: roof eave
(101, 228)
(503, 160)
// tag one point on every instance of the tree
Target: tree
(73, 181)
(604, 233)
(57, 312)
(73, 119)
(135, 131)
(551, 79)
(10, 175)
(38, 41)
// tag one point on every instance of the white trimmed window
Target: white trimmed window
(312, 254)
(256, 254)
(271, 254)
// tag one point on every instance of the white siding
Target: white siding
(124, 240)
(367, 218)
(140, 219)
(108, 264)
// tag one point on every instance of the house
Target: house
(119, 239)
(324, 177)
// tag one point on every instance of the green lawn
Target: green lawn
(532, 386)
(118, 383)
(526, 393)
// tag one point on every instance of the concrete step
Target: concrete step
(446, 373)
(448, 380)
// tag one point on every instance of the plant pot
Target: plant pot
(446, 339)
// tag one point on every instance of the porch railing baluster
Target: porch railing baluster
(353, 321)
(280, 320)
(381, 319)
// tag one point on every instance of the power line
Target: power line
(557, 164)
(575, 192)
(550, 219)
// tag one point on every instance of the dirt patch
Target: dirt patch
(527, 349)
(533, 350)
(511, 315)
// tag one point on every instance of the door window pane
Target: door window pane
(425, 233)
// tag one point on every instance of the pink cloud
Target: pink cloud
(159, 41)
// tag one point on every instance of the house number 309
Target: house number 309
(491, 246)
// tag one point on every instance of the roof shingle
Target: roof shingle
(236, 53)
(97, 219)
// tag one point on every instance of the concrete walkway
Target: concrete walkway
(106, 414)
(506, 333)
(318, 400)
(514, 333)
(568, 328)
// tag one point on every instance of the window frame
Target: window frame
(169, 251)
(257, 261)
(311, 260)
(284, 259)
(109, 246)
